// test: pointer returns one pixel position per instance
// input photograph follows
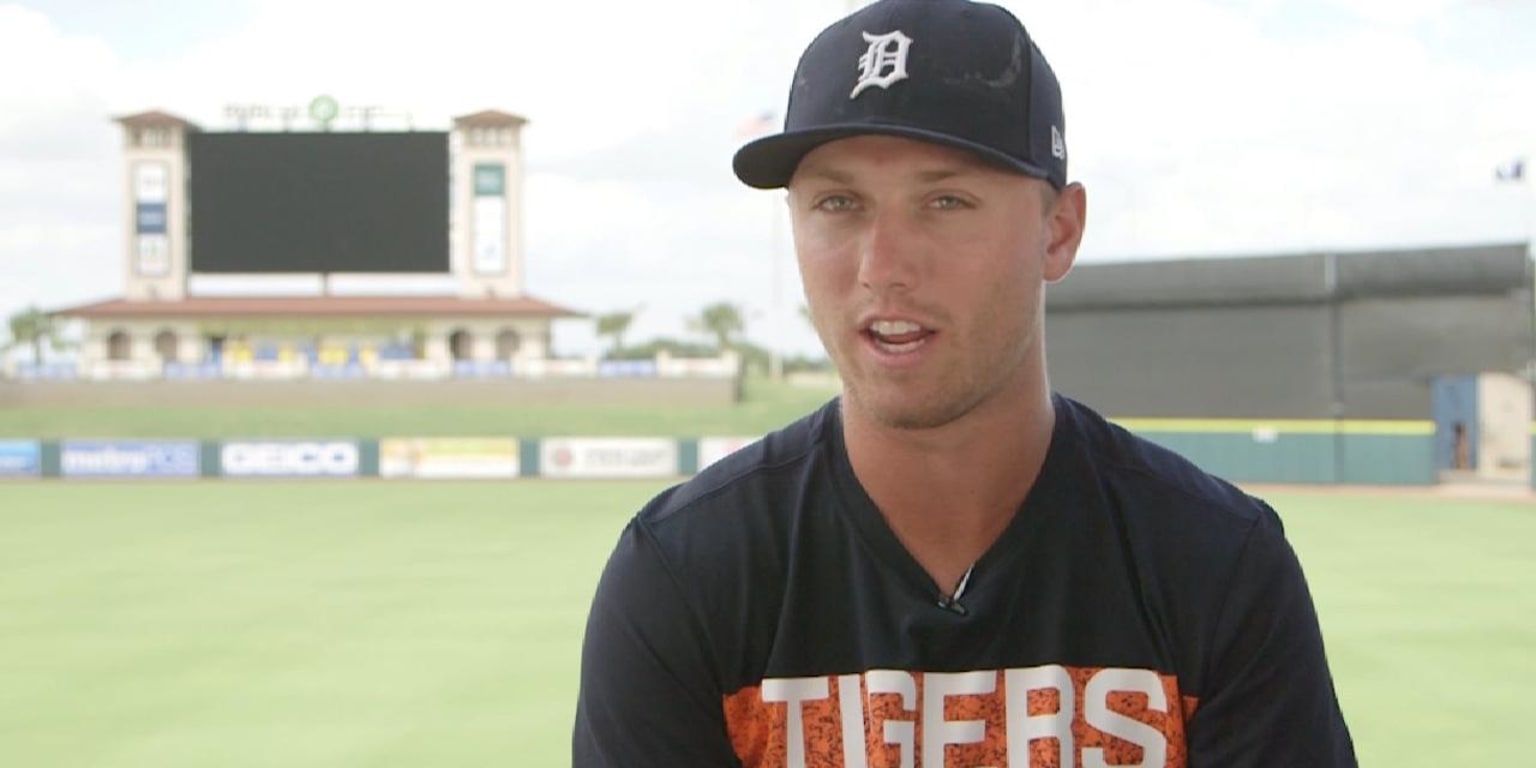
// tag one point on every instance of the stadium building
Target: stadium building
(320, 254)
(1402, 366)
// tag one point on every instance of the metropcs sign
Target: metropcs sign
(284, 458)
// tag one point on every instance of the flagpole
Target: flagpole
(776, 312)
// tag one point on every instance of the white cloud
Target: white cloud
(58, 214)
(1196, 127)
(1397, 12)
(1197, 133)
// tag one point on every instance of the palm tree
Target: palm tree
(614, 325)
(32, 327)
(722, 320)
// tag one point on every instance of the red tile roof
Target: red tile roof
(321, 306)
(155, 117)
(490, 118)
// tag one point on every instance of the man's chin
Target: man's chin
(905, 411)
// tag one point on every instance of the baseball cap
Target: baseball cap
(954, 72)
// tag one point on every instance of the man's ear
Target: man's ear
(1064, 223)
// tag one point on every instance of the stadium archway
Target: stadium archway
(507, 343)
(119, 347)
(461, 345)
(165, 346)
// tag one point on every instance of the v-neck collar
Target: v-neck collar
(1051, 487)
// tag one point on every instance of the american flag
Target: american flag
(757, 125)
(1514, 170)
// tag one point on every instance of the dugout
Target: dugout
(1341, 346)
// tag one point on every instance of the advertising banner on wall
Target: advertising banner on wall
(488, 219)
(438, 457)
(20, 458)
(713, 449)
(130, 458)
(150, 182)
(154, 255)
(608, 457)
(150, 218)
(627, 369)
(290, 458)
(152, 247)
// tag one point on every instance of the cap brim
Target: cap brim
(770, 162)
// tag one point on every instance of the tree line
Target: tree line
(722, 324)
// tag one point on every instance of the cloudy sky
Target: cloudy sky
(1200, 127)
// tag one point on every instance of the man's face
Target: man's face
(924, 268)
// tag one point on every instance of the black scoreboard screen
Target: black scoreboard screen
(319, 202)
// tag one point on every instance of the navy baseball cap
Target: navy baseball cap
(954, 72)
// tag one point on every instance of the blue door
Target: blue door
(1455, 407)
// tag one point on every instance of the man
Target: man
(949, 565)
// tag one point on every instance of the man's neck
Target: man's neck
(949, 492)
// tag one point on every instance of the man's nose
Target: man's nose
(889, 258)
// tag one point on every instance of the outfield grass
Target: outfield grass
(766, 405)
(372, 623)
(1428, 607)
(324, 625)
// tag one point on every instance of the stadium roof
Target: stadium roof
(319, 306)
(490, 118)
(155, 117)
(1304, 277)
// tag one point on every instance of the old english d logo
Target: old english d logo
(884, 62)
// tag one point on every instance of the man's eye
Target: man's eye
(949, 202)
(835, 203)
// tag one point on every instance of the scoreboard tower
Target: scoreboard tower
(485, 239)
(302, 253)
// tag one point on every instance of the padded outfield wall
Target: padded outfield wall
(1275, 451)
(1300, 368)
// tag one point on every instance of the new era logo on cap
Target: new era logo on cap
(954, 72)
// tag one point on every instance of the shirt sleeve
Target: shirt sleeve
(648, 692)
(1269, 698)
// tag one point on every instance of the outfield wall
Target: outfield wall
(1301, 452)
(346, 457)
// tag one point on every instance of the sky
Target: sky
(1199, 127)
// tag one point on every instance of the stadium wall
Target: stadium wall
(1301, 451)
(1293, 452)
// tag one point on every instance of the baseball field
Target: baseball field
(385, 623)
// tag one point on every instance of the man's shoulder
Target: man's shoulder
(752, 481)
(1156, 482)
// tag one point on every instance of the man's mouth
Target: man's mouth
(897, 336)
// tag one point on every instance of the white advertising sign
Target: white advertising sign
(150, 183)
(283, 458)
(490, 241)
(154, 255)
(608, 457)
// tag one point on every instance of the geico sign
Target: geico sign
(313, 458)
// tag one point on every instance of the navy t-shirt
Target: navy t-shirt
(1136, 611)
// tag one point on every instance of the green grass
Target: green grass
(767, 405)
(323, 625)
(372, 623)
(1429, 613)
